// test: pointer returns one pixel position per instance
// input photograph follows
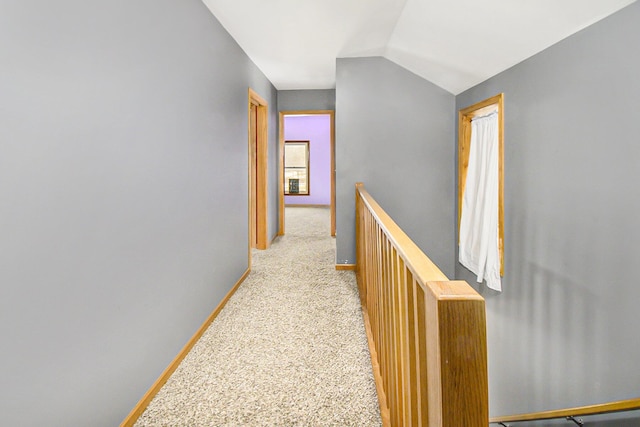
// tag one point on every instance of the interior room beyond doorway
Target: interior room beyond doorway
(317, 128)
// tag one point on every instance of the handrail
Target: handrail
(422, 267)
(568, 413)
(427, 334)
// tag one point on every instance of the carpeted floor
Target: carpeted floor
(289, 348)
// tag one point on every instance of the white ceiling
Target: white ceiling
(455, 44)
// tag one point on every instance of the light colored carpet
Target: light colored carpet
(289, 348)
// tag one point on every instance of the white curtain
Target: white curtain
(479, 221)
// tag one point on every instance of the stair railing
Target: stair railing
(427, 334)
(571, 414)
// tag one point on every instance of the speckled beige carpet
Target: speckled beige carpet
(289, 348)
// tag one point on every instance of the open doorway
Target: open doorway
(318, 128)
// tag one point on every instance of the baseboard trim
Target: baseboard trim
(346, 267)
(135, 413)
(385, 415)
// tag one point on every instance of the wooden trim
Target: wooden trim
(375, 367)
(603, 408)
(306, 112)
(465, 116)
(251, 179)
(164, 377)
(255, 98)
(306, 206)
(351, 267)
(280, 174)
(332, 119)
(261, 204)
(281, 204)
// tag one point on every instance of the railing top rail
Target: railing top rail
(426, 270)
(602, 408)
(423, 269)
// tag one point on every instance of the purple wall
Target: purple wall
(317, 130)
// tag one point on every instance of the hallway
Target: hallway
(289, 348)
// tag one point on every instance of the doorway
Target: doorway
(331, 183)
(258, 117)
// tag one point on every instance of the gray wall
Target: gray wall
(564, 331)
(123, 186)
(394, 132)
(293, 100)
(622, 419)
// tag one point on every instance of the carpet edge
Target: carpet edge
(142, 404)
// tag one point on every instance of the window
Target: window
(296, 168)
(465, 118)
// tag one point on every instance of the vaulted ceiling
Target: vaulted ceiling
(455, 44)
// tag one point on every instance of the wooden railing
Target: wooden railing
(572, 413)
(427, 335)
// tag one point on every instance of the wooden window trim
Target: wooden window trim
(465, 116)
(308, 143)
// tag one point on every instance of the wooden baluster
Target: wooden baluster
(428, 333)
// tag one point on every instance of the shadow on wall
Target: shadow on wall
(542, 331)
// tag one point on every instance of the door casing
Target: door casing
(257, 124)
(331, 113)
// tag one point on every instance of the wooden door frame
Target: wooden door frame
(332, 132)
(259, 168)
